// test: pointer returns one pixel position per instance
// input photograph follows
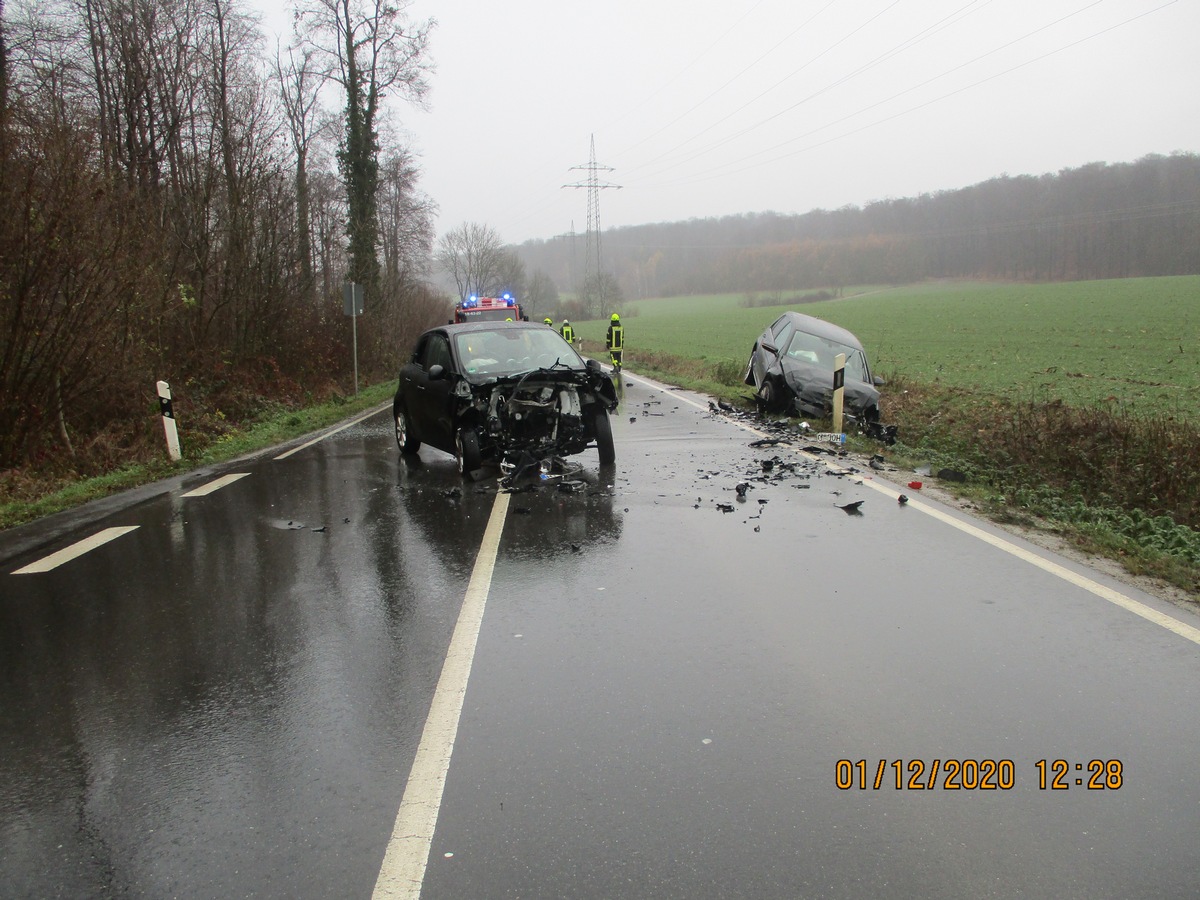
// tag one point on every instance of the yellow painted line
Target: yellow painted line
(407, 854)
(54, 560)
(1184, 630)
(327, 434)
(216, 484)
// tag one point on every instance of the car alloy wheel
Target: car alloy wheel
(466, 450)
(404, 436)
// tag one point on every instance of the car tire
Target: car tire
(408, 443)
(602, 429)
(767, 395)
(466, 451)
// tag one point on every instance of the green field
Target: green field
(1129, 343)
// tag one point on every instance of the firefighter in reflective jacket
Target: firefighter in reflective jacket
(567, 332)
(615, 341)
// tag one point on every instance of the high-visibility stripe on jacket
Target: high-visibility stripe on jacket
(568, 334)
(616, 337)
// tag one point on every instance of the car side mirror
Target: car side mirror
(593, 366)
(879, 382)
(437, 372)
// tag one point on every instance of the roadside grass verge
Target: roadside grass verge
(28, 495)
(1111, 481)
(719, 377)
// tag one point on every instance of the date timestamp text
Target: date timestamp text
(975, 774)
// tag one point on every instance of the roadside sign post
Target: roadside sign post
(839, 389)
(352, 294)
(168, 417)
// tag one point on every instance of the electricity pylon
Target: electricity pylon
(591, 259)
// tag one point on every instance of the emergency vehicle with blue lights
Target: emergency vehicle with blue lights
(487, 309)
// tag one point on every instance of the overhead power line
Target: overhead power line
(593, 184)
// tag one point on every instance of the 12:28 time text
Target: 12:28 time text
(974, 774)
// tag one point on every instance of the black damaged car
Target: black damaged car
(791, 365)
(492, 391)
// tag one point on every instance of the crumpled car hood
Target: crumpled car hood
(813, 386)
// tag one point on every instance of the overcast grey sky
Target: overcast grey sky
(713, 107)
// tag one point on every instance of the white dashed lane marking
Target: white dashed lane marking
(206, 489)
(54, 560)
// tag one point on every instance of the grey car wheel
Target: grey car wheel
(602, 429)
(767, 395)
(405, 439)
(466, 451)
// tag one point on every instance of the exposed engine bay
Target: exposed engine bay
(544, 412)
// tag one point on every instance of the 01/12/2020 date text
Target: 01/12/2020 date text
(975, 774)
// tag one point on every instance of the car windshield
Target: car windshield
(819, 351)
(511, 351)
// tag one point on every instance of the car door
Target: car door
(425, 395)
(776, 336)
(439, 405)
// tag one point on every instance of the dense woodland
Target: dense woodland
(184, 203)
(1098, 221)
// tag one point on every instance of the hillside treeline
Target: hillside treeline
(173, 209)
(1097, 221)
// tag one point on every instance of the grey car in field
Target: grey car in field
(494, 391)
(791, 365)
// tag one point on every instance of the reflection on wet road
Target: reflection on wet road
(227, 700)
(228, 704)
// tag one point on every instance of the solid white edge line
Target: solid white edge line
(1103, 592)
(216, 484)
(1184, 630)
(56, 559)
(318, 440)
(403, 870)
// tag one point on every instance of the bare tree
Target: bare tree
(3, 62)
(405, 223)
(541, 297)
(300, 80)
(510, 278)
(474, 256)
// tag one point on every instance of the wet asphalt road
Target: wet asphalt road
(226, 701)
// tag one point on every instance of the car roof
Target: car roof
(821, 328)
(493, 325)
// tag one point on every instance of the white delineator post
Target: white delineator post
(168, 417)
(839, 389)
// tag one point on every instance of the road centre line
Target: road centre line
(322, 437)
(407, 854)
(56, 559)
(1184, 630)
(216, 484)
